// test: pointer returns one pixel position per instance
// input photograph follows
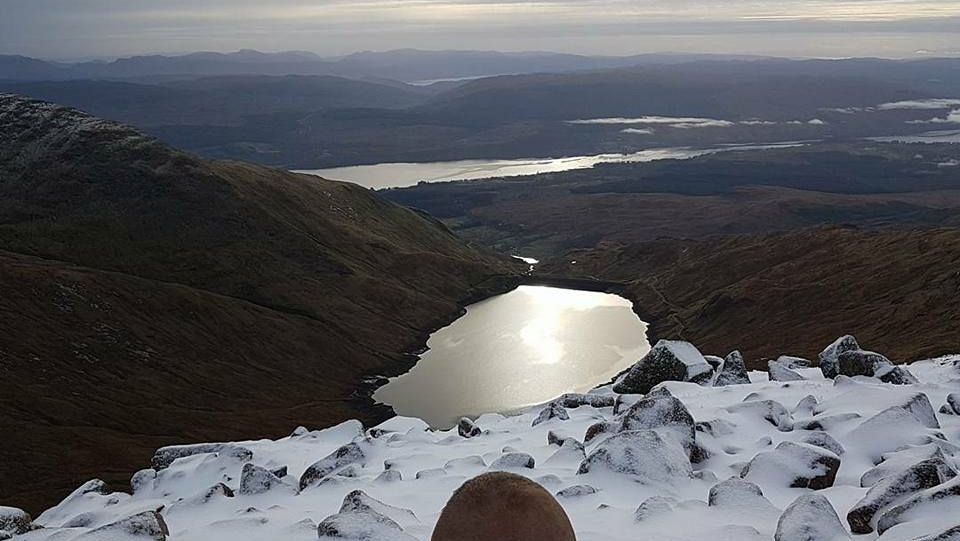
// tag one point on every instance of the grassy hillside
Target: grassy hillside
(897, 291)
(148, 292)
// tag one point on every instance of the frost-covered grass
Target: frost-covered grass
(432, 464)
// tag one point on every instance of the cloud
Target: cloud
(953, 117)
(843, 27)
(936, 103)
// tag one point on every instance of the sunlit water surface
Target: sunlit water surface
(514, 350)
(400, 175)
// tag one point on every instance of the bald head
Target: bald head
(504, 507)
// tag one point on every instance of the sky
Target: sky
(78, 29)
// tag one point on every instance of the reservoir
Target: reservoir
(522, 348)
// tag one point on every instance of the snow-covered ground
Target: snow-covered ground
(635, 477)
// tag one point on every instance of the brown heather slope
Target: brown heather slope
(148, 297)
(898, 292)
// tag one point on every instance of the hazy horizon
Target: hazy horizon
(63, 30)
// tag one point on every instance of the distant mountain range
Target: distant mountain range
(275, 109)
(408, 65)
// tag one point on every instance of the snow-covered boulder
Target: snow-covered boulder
(953, 401)
(810, 517)
(512, 461)
(165, 456)
(920, 476)
(824, 440)
(950, 534)
(857, 362)
(664, 413)
(939, 499)
(669, 360)
(733, 371)
(576, 491)
(829, 361)
(769, 410)
(14, 520)
(796, 465)
(653, 507)
(144, 526)
(895, 375)
(597, 429)
(643, 454)
(467, 428)
(257, 480)
(793, 363)
(895, 427)
(341, 458)
(576, 400)
(362, 518)
(778, 371)
(898, 461)
(735, 493)
(554, 410)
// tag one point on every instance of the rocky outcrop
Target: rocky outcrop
(668, 361)
(797, 465)
(166, 455)
(920, 476)
(643, 454)
(810, 518)
(829, 357)
(344, 456)
(733, 371)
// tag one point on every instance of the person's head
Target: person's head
(502, 507)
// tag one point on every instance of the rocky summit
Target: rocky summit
(813, 458)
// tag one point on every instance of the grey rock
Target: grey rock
(644, 454)
(825, 422)
(931, 497)
(146, 525)
(576, 491)
(896, 375)
(575, 400)
(779, 372)
(805, 406)
(950, 534)
(920, 476)
(794, 362)
(165, 456)
(770, 410)
(553, 411)
(733, 371)
(257, 480)
(654, 506)
(389, 476)
(350, 453)
(733, 492)
(829, 362)
(667, 361)
(513, 461)
(858, 362)
(810, 518)
(803, 466)
(663, 413)
(142, 480)
(824, 440)
(598, 429)
(953, 400)
(467, 429)
(14, 520)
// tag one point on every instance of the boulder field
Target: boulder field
(682, 446)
